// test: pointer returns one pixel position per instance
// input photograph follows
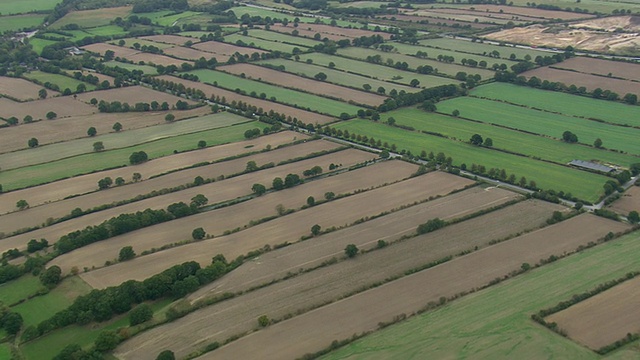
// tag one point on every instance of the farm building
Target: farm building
(592, 166)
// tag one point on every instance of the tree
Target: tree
(166, 355)
(277, 184)
(258, 189)
(126, 253)
(119, 181)
(34, 245)
(455, 113)
(51, 276)
(202, 144)
(92, 131)
(251, 166)
(169, 117)
(138, 157)
(633, 217)
(33, 142)
(117, 127)
(27, 119)
(476, 139)
(51, 115)
(311, 201)
(42, 94)
(22, 204)
(569, 137)
(384, 154)
(414, 83)
(598, 143)
(98, 146)
(198, 233)
(320, 76)
(139, 314)
(199, 201)
(263, 320)
(329, 195)
(315, 230)
(198, 180)
(105, 183)
(488, 142)
(107, 340)
(136, 177)
(351, 250)
(366, 87)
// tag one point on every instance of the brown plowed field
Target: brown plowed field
(305, 116)
(629, 201)
(227, 218)
(134, 55)
(169, 39)
(316, 330)
(86, 183)
(307, 254)
(288, 228)
(21, 89)
(218, 322)
(603, 319)
(587, 65)
(74, 127)
(35, 216)
(621, 87)
(132, 95)
(528, 11)
(63, 106)
(156, 59)
(187, 53)
(216, 192)
(101, 77)
(224, 49)
(296, 82)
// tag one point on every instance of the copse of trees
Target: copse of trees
(138, 157)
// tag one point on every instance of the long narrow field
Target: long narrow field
(146, 69)
(466, 322)
(35, 216)
(629, 71)
(591, 82)
(186, 53)
(63, 106)
(465, 46)
(544, 123)
(288, 228)
(21, 89)
(62, 81)
(132, 95)
(167, 39)
(23, 6)
(562, 103)
(517, 10)
(511, 140)
(87, 163)
(117, 140)
(223, 49)
(218, 322)
(290, 97)
(586, 186)
(305, 116)
(331, 32)
(283, 38)
(92, 18)
(215, 192)
(304, 84)
(262, 44)
(59, 190)
(604, 318)
(134, 55)
(457, 56)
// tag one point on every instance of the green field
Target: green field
(283, 38)
(495, 323)
(8, 7)
(39, 44)
(291, 97)
(5, 351)
(584, 185)
(539, 122)
(107, 30)
(43, 307)
(117, 140)
(381, 72)
(261, 43)
(574, 105)
(19, 22)
(19, 289)
(241, 10)
(130, 41)
(62, 81)
(506, 139)
(458, 56)
(44, 173)
(479, 48)
(150, 70)
(168, 18)
(414, 62)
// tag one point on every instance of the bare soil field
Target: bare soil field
(87, 183)
(224, 49)
(237, 216)
(35, 216)
(132, 95)
(306, 116)
(328, 31)
(187, 53)
(603, 319)
(316, 329)
(528, 11)
(624, 70)
(63, 106)
(169, 39)
(134, 55)
(216, 192)
(221, 321)
(611, 24)
(591, 82)
(119, 51)
(296, 82)
(101, 77)
(21, 89)
(74, 127)
(629, 201)
(592, 40)
(287, 228)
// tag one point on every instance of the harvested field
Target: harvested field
(92, 18)
(87, 183)
(35, 216)
(157, 59)
(629, 201)
(305, 116)
(221, 321)
(307, 32)
(618, 69)
(591, 82)
(119, 51)
(296, 82)
(467, 16)
(75, 127)
(134, 55)
(603, 319)
(132, 95)
(20, 89)
(316, 329)
(63, 106)
(288, 228)
(101, 77)
(229, 218)
(331, 32)
(224, 49)
(437, 21)
(187, 53)
(168, 39)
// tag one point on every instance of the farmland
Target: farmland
(591, 82)
(63, 82)
(479, 48)
(23, 6)
(20, 89)
(224, 49)
(144, 68)
(131, 95)
(19, 22)
(262, 44)
(630, 201)
(92, 18)
(63, 106)
(627, 71)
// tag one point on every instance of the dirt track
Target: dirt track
(315, 330)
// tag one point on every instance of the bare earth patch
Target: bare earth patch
(21, 89)
(603, 319)
(591, 82)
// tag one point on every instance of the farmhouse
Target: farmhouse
(592, 166)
